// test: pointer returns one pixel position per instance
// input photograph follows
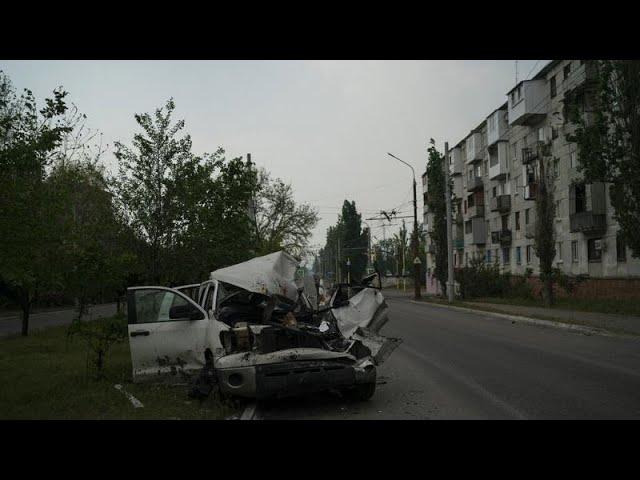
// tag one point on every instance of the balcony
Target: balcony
(475, 184)
(457, 162)
(475, 211)
(503, 237)
(587, 222)
(478, 235)
(498, 161)
(501, 203)
(458, 243)
(474, 147)
(526, 102)
(531, 191)
(496, 126)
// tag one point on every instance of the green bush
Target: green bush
(99, 337)
(480, 279)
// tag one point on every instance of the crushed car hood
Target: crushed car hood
(269, 275)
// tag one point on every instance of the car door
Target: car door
(168, 333)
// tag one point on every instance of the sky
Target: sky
(324, 126)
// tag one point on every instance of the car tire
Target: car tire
(361, 392)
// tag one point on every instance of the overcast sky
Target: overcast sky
(324, 126)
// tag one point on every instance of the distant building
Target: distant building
(495, 174)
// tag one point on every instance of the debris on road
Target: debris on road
(134, 401)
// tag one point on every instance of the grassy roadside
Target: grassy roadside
(487, 307)
(44, 377)
(618, 307)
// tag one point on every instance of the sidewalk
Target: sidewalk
(606, 321)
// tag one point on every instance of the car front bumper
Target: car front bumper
(285, 379)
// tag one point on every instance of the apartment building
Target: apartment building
(495, 171)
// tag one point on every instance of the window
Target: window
(518, 255)
(497, 255)
(621, 248)
(505, 222)
(517, 220)
(526, 216)
(541, 134)
(528, 253)
(594, 249)
(467, 226)
(556, 167)
(154, 305)
(552, 86)
(488, 256)
(575, 257)
(566, 71)
(554, 133)
(559, 252)
(514, 151)
(465, 206)
(574, 159)
(493, 192)
(505, 256)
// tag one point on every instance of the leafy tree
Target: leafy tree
(606, 113)
(347, 240)
(280, 223)
(152, 174)
(97, 255)
(545, 234)
(354, 240)
(400, 249)
(437, 205)
(28, 249)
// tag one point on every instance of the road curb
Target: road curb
(534, 321)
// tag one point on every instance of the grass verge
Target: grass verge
(45, 377)
(619, 307)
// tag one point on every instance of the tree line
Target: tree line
(168, 216)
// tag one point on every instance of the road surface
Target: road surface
(458, 365)
(11, 323)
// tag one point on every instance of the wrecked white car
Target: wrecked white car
(258, 334)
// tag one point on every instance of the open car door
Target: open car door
(168, 333)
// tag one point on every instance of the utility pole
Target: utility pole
(416, 259)
(447, 193)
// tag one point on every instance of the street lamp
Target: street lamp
(416, 261)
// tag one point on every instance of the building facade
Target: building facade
(495, 172)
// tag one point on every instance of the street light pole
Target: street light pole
(416, 259)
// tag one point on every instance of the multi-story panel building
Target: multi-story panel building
(495, 172)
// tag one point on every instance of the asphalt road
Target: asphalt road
(11, 323)
(457, 365)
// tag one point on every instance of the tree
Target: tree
(354, 241)
(96, 254)
(437, 206)
(28, 249)
(280, 223)
(606, 113)
(347, 241)
(151, 176)
(545, 233)
(400, 249)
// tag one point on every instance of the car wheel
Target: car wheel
(361, 392)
